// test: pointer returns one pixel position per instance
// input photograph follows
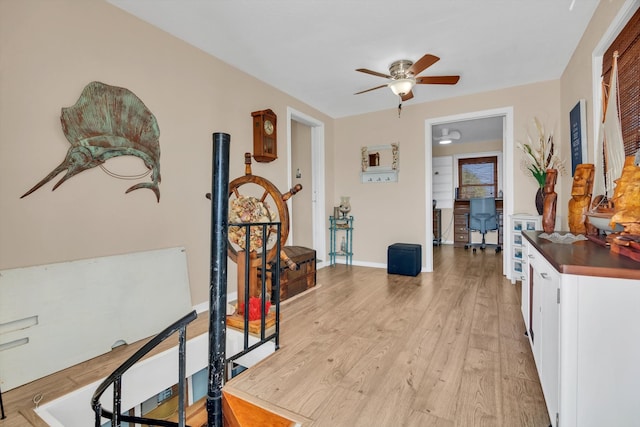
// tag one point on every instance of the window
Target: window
(628, 46)
(477, 177)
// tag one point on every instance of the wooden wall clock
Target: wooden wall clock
(265, 144)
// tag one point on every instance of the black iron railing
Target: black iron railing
(218, 363)
(265, 271)
(115, 379)
(2, 416)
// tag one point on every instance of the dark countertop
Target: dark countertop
(498, 199)
(584, 258)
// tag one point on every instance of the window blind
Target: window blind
(477, 177)
(628, 46)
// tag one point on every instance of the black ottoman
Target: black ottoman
(404, 258)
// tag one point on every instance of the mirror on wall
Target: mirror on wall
(380, 163)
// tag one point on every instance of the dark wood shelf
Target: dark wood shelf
(584, 258)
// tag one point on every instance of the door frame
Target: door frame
(317, 177)
(508, 176)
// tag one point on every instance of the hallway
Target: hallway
(370, 349)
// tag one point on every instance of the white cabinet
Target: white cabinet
(584, 332)
(544, 284)
(520, 223)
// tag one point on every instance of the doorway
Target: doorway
(311, 131)
(507, 170)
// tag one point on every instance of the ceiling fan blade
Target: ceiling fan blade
(407, 97)
(373, 73)
(368, 90)
(422, 64)
(437, 80)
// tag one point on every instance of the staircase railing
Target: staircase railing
(115, 379)
(273, 268)
(218, 363)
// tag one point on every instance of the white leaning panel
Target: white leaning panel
(57, 315)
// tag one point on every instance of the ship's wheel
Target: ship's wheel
(253, 199)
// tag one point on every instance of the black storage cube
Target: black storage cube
(404, 258)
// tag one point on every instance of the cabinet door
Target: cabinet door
(545, 327)
(549, 337)
(535, 315)
(525, 294)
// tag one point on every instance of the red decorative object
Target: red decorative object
(255, 305)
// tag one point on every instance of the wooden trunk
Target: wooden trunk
(301, 279)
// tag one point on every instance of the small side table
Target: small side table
(341, 228)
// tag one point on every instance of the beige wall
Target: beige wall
(388, 213)
(577, 80)
(49, 50)
(395, 212)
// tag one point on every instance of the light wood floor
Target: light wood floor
(370, 349)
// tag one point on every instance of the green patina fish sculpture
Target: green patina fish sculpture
(106, 122)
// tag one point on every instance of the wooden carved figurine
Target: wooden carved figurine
(550, 201)
(627, 205)
(627, 198)
(580, 198)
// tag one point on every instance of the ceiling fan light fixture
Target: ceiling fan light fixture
(448, 137)
(402, 87)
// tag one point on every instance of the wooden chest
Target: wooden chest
(294, 282)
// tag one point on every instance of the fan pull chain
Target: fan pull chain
(399, 109)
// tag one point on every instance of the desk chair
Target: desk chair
(482, 218)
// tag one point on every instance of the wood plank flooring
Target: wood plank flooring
(370, 349)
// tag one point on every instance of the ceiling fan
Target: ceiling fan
(403, 76)
(447, 137)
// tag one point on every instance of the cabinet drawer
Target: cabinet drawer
(462, 237)
(460, 220)
(520, 270)
(461, 229)
(517, 239)
(540, 265)
(518, 253)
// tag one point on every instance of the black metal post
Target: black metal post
(117, 402)
(218, 275)
(2, 416)
(97, 409)
(182, 373)
(276, 281)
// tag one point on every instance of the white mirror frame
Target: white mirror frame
(380, 173)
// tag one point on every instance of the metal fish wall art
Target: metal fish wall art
(106, 122)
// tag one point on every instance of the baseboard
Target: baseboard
(204, 306)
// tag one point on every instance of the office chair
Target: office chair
(482, 218)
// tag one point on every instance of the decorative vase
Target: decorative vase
(345, 206)
(540, 200)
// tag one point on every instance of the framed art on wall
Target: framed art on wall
(578, 129)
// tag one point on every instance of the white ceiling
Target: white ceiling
(474, 130)
(311, 48)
